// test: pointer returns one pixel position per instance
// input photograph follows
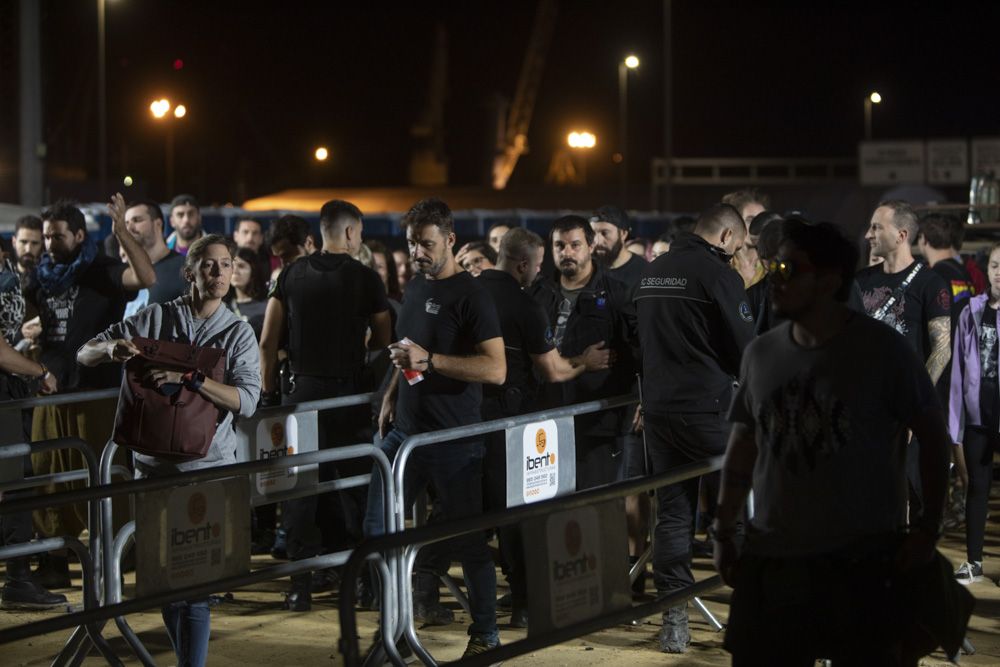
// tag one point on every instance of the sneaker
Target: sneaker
(481, 644)
(969, 573)
(433, 613)
(279, 550)
(675, 635)
(29, 595)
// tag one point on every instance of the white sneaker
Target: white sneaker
(969, 573)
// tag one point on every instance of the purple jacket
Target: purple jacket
(963, 403)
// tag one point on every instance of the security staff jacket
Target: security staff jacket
(694, 322)
(603, 312)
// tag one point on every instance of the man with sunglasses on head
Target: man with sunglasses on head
(818, 422)
(694, 321)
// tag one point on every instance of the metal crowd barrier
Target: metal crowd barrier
(418, 537)
(106, 548)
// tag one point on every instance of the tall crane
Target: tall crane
(512, 139)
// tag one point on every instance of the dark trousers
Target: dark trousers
(598, 460)
(793, 611)
(509, 538)
(979, 447)
(674, 440)
(330, 521)
(453, 470)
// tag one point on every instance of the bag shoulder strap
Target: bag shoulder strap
(897, 293)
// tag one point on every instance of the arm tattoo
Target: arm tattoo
(940, 334)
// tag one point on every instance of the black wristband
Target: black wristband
(194, 379)
(430, 362)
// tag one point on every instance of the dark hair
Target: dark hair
(741, 198)
(941, 231)
(484, 249)
(499, 223)
(152, 208)
(289, 228)
(183, 200)
(256, 221)
(762, 220)
(613, 215)
(32, 222)
(683, 223)
(827, 248)
(198, 249)
(718, 217)
(903, 216)
(392, 277)
(769, 239)
(568, 223)
(518, 243)
(69, 213)
(430, 211)
(257, 287)
(336, 211)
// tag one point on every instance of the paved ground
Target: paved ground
(253, 630)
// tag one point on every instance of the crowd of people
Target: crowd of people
(838, 396)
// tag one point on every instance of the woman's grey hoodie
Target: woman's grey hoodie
(173, 321)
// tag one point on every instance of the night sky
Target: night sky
(264, 83)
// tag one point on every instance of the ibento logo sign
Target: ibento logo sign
(537, 462)
(579, 562)
(197, 508)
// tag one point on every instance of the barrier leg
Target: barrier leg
(640, 564)
(406, 608)
(76, 647)
(708, 615)
(455, 590)
(125, 537)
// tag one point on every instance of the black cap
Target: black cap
(612, 214)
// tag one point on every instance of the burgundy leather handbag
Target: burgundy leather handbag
(172, 422)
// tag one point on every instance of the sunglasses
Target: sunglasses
(787, 269)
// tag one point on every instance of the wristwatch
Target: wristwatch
(193, 379)
(43, 374)
(430, 362)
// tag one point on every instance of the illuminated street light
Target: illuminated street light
(160, 107)
(180, 111)
(631, 62)
(874, 98)
(581, 140)
(322, 153)
(127, 181)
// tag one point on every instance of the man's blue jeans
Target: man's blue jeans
(453, 470)
(188, 626)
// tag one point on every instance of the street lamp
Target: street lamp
(582, 142)
(874, 98)
(630, 62)
(160, 108)
(321, 154)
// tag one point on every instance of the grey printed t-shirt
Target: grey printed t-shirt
(831, 426)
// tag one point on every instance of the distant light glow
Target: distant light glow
(178, 64)
(180, 111)
(322, 153)
(127, 181)
(160, 108)
(631, 62)
(875, 98)
(581, 140)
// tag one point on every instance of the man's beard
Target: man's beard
(607, 257)
(429, 268)
(27, 262)
(569, 268)
(189, 233)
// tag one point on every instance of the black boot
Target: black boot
(300, 597)
(53, 571)
(20, 592)
(427, 607)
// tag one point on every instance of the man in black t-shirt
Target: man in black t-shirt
(450, 344)
(80, 293)
(902, 292)
(611, 232)
(528, 351)
(939, 239)
(326, 357)
(912, 299)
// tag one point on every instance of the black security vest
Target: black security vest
(326, 330)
